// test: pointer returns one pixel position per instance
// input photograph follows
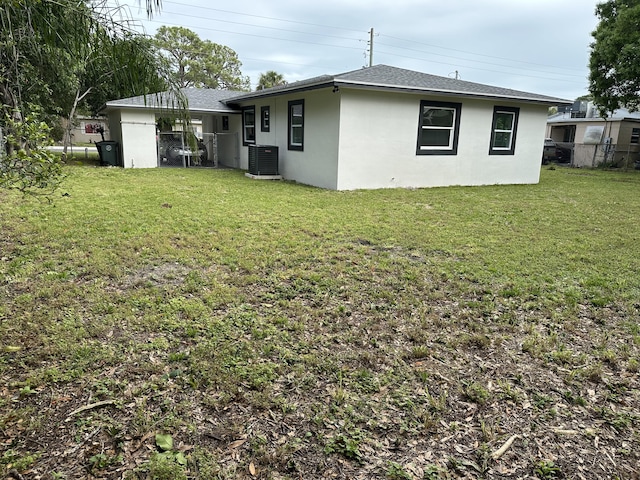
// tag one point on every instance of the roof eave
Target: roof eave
(398, 88)
(279, 91)
(444, 92)
(110, 105)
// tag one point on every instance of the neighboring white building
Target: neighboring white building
(377, 127)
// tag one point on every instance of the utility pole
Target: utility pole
(371, 47)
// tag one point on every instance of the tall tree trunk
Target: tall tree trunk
(9, 107)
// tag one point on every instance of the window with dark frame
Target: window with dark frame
(439, 126)
(249, 125)
(225, 122)
(296, 125)
(635, 135)
(265, 119)
(503, 130)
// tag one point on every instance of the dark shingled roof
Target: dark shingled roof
(399, 79)
(205, 100)
(384, 77)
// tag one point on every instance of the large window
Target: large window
(296, 125)
(265, 119)
(503, 130)
(439, 126)
(249, 125)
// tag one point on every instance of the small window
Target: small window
(225, 122)
(503, 130)
(296, 125)
(265, 119)
(439, 125)
(635, 135)
(248, 125)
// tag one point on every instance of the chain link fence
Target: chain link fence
(625, 156)
(180, 149)
(224, 149)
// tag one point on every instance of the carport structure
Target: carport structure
(136, 124)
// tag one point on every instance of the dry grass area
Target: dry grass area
(178, 324)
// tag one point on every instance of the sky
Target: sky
(537, 46)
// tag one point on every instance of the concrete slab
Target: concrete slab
(263, 177)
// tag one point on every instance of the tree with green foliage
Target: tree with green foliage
(614, 79)
(26, 164)
(200, 63)
(108, 73)
(270, 79)
(53, 54)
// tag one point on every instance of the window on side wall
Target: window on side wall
(296, 125)
(439, 126)
(265, 119)
(248, 125)
(503, 130)
(635, 135)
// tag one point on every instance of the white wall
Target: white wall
(138, 140)
(232, 154)
(115, 129)
(317, 164)
(378, 137)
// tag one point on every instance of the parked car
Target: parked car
(176, 146)
(555, 151)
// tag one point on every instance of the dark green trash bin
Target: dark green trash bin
(109, 152)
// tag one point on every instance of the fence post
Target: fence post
(626, 159)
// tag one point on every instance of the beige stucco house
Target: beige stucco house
(376, 127)
(595, 140)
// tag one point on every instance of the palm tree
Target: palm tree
(270, 79)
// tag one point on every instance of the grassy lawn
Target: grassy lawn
(178, 323)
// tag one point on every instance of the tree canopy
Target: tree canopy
(50, 48)
(200, 63)
(614, 79)
(54, 54)
(270, 79)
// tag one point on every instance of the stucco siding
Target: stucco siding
(378, 133)
(267, 138)
(316, 164)
(115, 129)
(138, 141)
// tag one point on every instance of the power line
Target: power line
(262, 26)
(481, 69)
(258, 36)
(360, 32)
(478, 54)
(264, 17)
(478, 61)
